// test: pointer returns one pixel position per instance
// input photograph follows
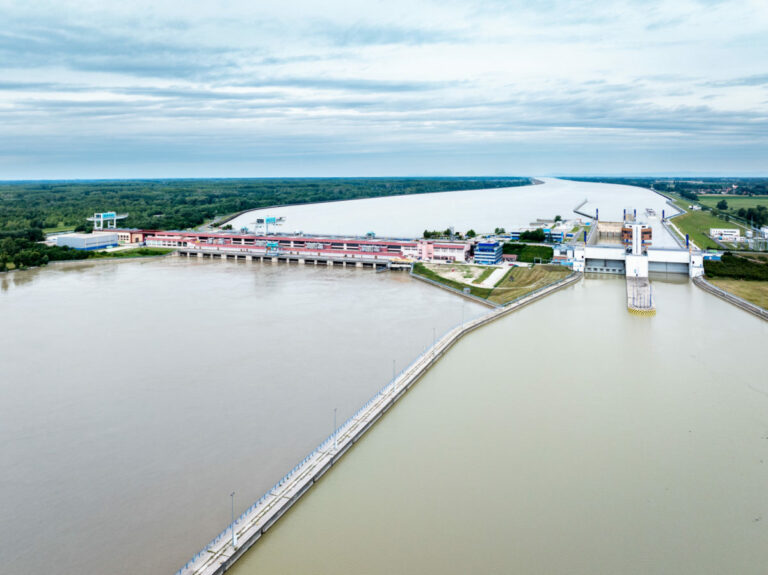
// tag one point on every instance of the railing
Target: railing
(430, 352)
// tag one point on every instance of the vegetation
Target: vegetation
(182, 204)
(751, 209)
(735, 267)
(471, 234)
(536, 235)
(131, 253)
(688, 188)
(521, 281)
(697, 225)
(517, 282)
(528, 253)
(753, 291)
(21, 250)
(422, 270)
(436, 234)
(484, 275)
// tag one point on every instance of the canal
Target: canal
(570, 437)
(136, 396)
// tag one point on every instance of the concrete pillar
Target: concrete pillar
(223, 256)
(249, 258)
(329, 263)
(274, 260)
(200, 255)
(302, 262)
(359, 264)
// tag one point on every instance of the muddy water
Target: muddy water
(570, 437)
(136, 396)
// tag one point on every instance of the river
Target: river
(481, 210)
(136, 396)
(570, 437)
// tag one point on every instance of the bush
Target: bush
(731, 266)
(527, 253)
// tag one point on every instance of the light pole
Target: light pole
(232, 525)
(335, 434)
(434, 339)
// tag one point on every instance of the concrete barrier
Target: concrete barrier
(729, 297)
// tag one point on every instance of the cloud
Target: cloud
(394, 81)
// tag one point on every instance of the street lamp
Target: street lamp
(335, 432)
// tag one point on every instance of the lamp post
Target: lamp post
(335, 433)
(232, 525)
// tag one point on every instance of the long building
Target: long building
(312, 246)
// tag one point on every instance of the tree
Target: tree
(471, 233)
(742, 212)
(558, 218)
(722, 205)
(498, 231)
(536, 235)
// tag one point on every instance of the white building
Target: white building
(725, 234)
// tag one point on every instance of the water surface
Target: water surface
(135, 396)
(568, 438)
(481, 210)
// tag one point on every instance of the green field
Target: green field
(697, 224)
(735, 202)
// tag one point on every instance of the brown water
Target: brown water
(135, 396)
(569, 437)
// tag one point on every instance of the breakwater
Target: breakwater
(233, 542)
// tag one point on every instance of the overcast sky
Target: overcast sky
(101, 89)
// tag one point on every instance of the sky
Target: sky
(228, 88)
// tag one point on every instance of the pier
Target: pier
(232, 543)
(640, 296)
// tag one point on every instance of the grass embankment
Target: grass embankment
(697, 225)
(517, 282)
(134, 253)
(520, 281)
(755, 292)
(744, 276)
(424, 271)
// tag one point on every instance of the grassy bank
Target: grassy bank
(424, 271)
(521, 281)
(518, 281)
(755, 292)
(134, 253)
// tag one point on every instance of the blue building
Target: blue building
(488, 253)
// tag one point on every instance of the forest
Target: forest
(28, 209)
(182, 204)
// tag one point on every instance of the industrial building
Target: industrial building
(311, 246)
(725, 234)
(96, 241)
(488, 253)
